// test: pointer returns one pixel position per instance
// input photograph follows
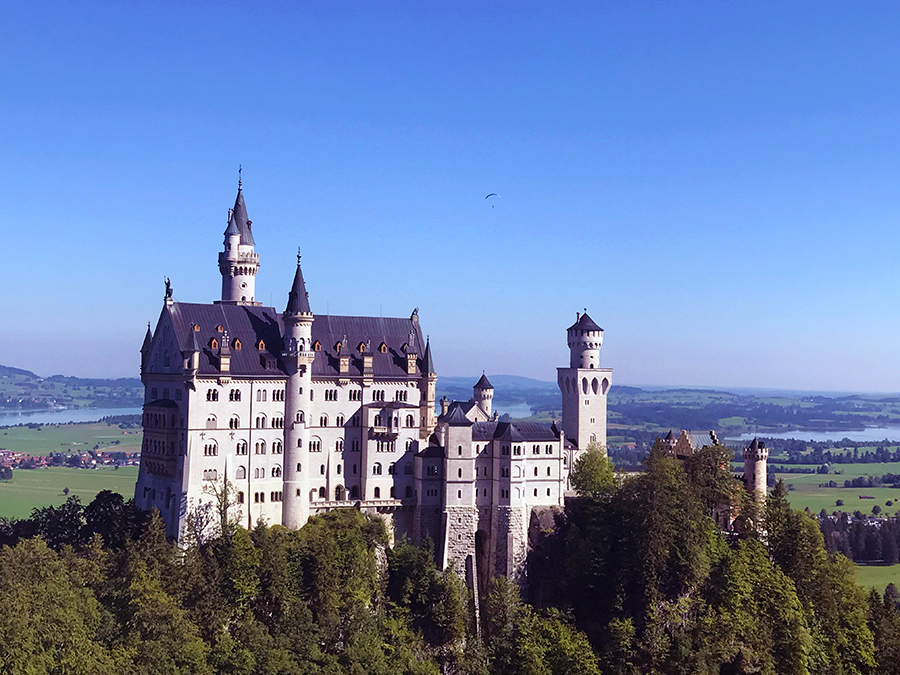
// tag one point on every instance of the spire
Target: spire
(239, 216)
(429, 364)
(145, 348)
(298, 298)
(195, 343)
(483, 383)
(232, 228)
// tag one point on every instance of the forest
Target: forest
(634, 578)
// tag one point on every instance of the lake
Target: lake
(73, 416)
(873, 434)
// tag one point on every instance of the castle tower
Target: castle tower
(298, 356)
(756, 458)
(238, 263)
(460, 513)
(483, 394)
(427, 387)
(584, 384)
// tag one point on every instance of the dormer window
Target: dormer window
(404, 347)
(362, 348)
(260, 345)
(219, 329)
(337, 348)
(236, 344)
(196, 327)
(383, 348)
(317, 346)
(214, 344)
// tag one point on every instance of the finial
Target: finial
(298, 256)
(240, 168)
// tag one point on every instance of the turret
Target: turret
(238, 263)
(297, 357)
(427, 388)
(756, 458)
(483, 393)
(585, 339)
(145, 348)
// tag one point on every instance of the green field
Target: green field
(32, 488)
(878, 576)
(807, 493)
(69, 438)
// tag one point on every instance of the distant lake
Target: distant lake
(514, 411)
(74, 416)
(867, 434)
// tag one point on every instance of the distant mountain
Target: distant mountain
(24, 390)
(7, 371)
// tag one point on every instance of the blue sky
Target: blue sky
(716, 182)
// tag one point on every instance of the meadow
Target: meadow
(806, 493)
(878, 576)
(69, 438)
(31, 488)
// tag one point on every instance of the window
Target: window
(210, 450)
(354, 446)
(339, 445)
(317, 346)
(241, 448)
(459, 450)
(299, 467)
(276, 495)
(178, 394)
(400, 395)
(165, 393)
(378, 394)
(277, 448)
(377, 420)
(278, 394)
(300, 416)
(261, 422)
(392, 468)
(236, 344)
(376, 470)
(548, 492)
(211, 422)
(409, 491)
(535, 492)
(278, 423)
(410, 421)
(504, 494)
(338, 469)
(432, 470)
(504, 472)
(504, 450)
(548, 470)
(517, 450)
(535, 449)
(299, 442)
(548, 449)
(153, 393)
(210, 474)
(377, 493)
(459, 473)
(260, 448)
(323, 421)
(382, 348)
(315, 446)
(339, 421)
(355, 395)
(459, 494)
(331, 395)
(322, 470)
(276, 471)
(234, 395)
(240, 473)
(535, 471)
(408, 469)
(234, 422)
(240, 497)
(322, 493)
(261, 345)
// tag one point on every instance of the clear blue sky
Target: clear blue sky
(717, 182)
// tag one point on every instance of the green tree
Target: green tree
(592, 473)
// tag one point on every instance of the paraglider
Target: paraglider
(493, 194)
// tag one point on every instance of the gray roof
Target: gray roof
(483, 383)
(250, 324)
(456, 418)
(298, 298)
(429, 364)
(585, 323)
(516, 432)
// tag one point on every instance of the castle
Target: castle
(304, 412)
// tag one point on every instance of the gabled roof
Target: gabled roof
(585, 323)
(516, 432)
(483, 383)
(298, 298)
(432, 451)
(456, 418)
(148, 338)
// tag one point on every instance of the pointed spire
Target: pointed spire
(298, 298)
(195, 343)
(232, 228)
(147, 339)
(483, 383)
(239, 216)
(429, 364)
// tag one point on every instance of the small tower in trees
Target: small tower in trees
(584, 384)
(297, 357)
(756, 457)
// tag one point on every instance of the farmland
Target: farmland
(69, 438)
(32, 488)
(806, 493)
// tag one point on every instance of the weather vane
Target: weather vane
(240, 168)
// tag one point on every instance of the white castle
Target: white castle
(303, 413)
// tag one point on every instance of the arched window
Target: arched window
(410, 421)
(236, 344)
(408, 469)
(322, 470)
(322, 493)
(376, 470)
(261, 422)
(323, 421)
(211, 422)
(300, 416)
(354, 492)
(339, 445)
(317, 346)
(377, 493)
(260, 447)
(299, 467)
(338, 493)
(277, 448)
(240, 473)
(241, 448)
(234, 422)
(276, 471)
(339, 421)
(382, 348)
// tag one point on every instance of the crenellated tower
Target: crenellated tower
(239, 263)
(584, 384)
(756, 458)
(483, 394)
(298, 356)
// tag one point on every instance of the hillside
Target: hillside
(24, 390)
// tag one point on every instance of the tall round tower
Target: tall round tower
(585, 339)
(239, 263)
(483, 394)
(298, 356)
(756, 458)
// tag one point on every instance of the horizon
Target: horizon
(714, 183)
